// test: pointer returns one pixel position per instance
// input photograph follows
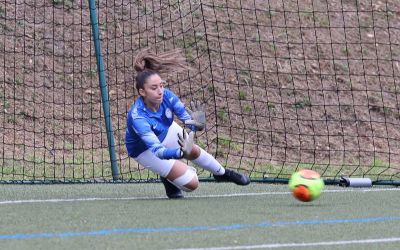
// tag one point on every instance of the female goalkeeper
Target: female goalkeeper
(155, 141)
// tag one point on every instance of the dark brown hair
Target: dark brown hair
(147, 64)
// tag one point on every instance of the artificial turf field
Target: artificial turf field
(215, 216)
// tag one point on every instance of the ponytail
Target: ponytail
(147, 64)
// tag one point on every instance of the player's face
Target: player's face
(153, 91)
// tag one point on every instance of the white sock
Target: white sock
(208, 162)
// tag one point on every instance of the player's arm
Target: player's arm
(143, 130)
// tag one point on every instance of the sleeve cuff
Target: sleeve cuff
(173, 153)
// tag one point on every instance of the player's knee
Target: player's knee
(192, 185)
(194, 154)
(188, 181)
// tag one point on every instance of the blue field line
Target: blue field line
(196, 228)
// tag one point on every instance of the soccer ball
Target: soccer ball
(306, 185)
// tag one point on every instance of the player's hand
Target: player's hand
(198, 114)
(186, 142)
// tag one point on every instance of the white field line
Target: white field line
(295, 245)
(5, 202)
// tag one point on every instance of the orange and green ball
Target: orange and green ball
(306, 185)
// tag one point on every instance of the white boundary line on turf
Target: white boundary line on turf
(5, 202)
(305, 244)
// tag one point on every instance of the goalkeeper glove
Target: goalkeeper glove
(198, 115)
(186, 142)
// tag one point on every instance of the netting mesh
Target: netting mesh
(288, 84)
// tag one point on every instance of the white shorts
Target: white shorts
(162, 167)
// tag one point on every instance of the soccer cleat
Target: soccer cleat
(172, 191)
(232, 176)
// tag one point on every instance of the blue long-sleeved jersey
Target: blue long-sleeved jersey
(147, 129)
